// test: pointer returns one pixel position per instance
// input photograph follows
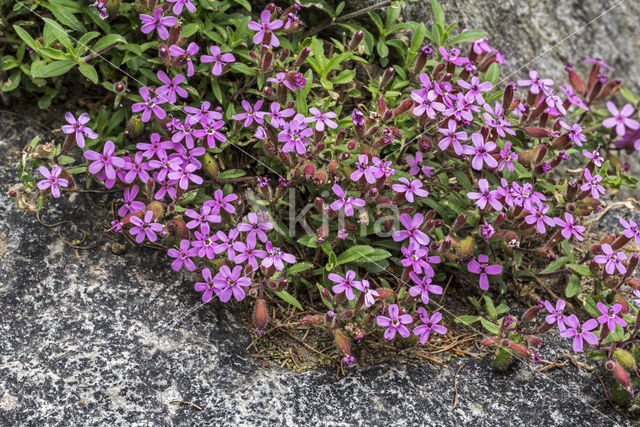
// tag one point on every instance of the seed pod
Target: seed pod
(535, 341)
(342, 342)
(489, 341)
(135, 127)
(507, 98)
(157, 209)
(386, 77)
(528, 315)
(625, 358)
(466, 247)
(384, 293)
(312, 319)
(260, 316)
(113, 7)
(519, 349)
(618, 372)
(576, 81)
(302, 57)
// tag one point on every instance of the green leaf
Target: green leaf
(467, 36)
(382, 48)
(232, 173)
(377, 21)
(590, 306)
(26, 38)
(438, 13)
(628, 95)
(309, 240)
(467, 320)
(244, 3)
(107, 41)
(52, 53)
(493, 73)
(490, 326)
(393, 12)
(361, 253)
(345, 76)
(59, 33)
(580, 269)
(573, 286)
(568, 251)
(555, 265)
(89, 72)
(299, 267)
(55, 69)
(287, 297)
(12, 81)
(490, 308)
(243, 68)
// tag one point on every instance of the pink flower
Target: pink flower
(537, 84)
(78, 127)
(229, 282)
(294, 134)
(106, 160)
(621, 119)
(345, 201)
(321, 118)
(219, 60)
(579, 332)
(611, 260)
(480, 267)
(187, 54)
(345, 284)
(276, 257)
(266, 26)
(610, 317)
(411, 230)
(570, 227)
(130, 204)
(631, 230)
(363, 168)
(255, 227)
(248, 252)
(480, 152)
(423, 287)
(52, 180)
(452, 137)
(538, 216)
(556, 314)
(453, 56)
(428, 324)
(475, 89)
(508, 157)
(278, 115)
(183, 256)
(145, 227)
(207, 286)
(592, 184)
(149, 106)
(171, 87)
(485, 196)
(416, 165)
(409, 188)
(395, 323)
(159, 22)
(179, 4)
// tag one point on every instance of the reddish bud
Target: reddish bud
(310, 319)
(386, 77)
(528, 315)
(302, 57)
(618, 372)
(260, 315)
(356, 40)
(490, 341)
(342, 342)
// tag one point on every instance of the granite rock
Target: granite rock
(92, 338)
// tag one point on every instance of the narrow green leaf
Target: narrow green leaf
(287, 297)
(299, 267)
(490, 326)
(59, 33)
(467, 36)
(490, 308)
(89, 72)
(467, 320)
(573, 286)
(356, 253)
(438, 13)
(555, 265)
(580, 269)
(108, 40)
(55, 69)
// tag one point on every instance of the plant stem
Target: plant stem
(345, 18)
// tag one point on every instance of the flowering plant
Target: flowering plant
(275, 165)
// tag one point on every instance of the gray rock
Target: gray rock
(93, 338)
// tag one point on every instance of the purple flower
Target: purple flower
(573, 98)
(186, 55)
(275, 257)
(411, 230)
(228, 282)
(487, 230)
(570, 227)
(321, 118)
(155, 147)
(370, 173)
(575, 133)
(345, 201)
(171, 87)
(220, 201)
(631, 230)
(183, 256)
(369, 293)
(453, 56)
(428, 324)
(145, 227)
(395, 323)
(538, 216)
(205, 245)
(278, 115)
(592, 184)
(579, 332)
(611, 260)
(130, 204)
(248, 252)
(480, 267)
(475, 89)
(485, 196)
(255, 227)
(78, 127)
(159, 22)
(423, 287)
(621, 119)
(202, 218)
(610, 317)
(251, 114)
(537, 84)
(149, 106)
(137, 169)
(594, 155)
(185, 175)
(416, 165)
(409, 188)
(210, 131)
(480, 151)
(207, 286)
(508, 157)
(219, 60)
(281, 79)
(226, 242)
(452, 137)
(266, 26)
(554, 102)
(52, 180)
(427, 104)
(556, 314)
(358, 117)
(294, 134)
(179, 4)
(106, 160)
(345, 284)
(415, 256)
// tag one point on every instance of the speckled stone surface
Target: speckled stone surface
(100, 339)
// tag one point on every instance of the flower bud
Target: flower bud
(507, 97)
(260, 316)
(525, 158)
(157, 209)
(544, 328)
(386, 77)
(120, 86)
(356, 40)
(302, 57)
(618, 372)
(312, 319)
(576, 81)
(174, 34)
(466, 247)
(499, 220)
(403, 107)
(519, 349)
(113, 7)
(535, 341)
(540, 153)
(342, 342)
(489, 341)
(528, 315)
(384, 293)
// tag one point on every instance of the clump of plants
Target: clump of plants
(275, 164)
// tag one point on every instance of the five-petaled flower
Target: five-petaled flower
(409, 188)
(230, 282)
(219, 60)
(485, 196)
(423, 287)
(480, 152)
(322, 119)
(149, 105)
(106, 160)
(612, 260)
(157, 21)
(145, 227)
(395, 323)
(265, 30)
(592, 184)
(480, 267)
(428, 324)
(52, 180)
(275, 257)
(621, 120)
(183, 256)
(631, 230)
(207, 287)
(556, 314)
(570, 227)
(610, 316)
(345, 284)
(579, 332)
(412, 230)
(78, 127)
(345, 201)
